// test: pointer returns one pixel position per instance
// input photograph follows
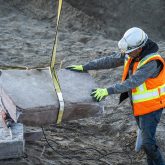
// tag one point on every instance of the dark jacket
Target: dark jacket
(149, 70)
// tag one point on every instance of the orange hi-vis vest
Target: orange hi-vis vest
(149, 96)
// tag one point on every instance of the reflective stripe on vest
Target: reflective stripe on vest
(126, 66)
(162, 90)
(142, 94)
(146, 59)
(149, 96)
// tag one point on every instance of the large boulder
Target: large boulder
(30, 98)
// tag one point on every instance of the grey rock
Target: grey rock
(30, 97)
(11, 141)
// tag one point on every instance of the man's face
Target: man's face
(135, 53)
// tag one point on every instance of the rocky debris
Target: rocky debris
(32, 134)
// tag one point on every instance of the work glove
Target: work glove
(99, 93)
(77, 68)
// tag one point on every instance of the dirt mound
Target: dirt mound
(112, 18)
(116, 15)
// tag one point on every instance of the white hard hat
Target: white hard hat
(133, 39)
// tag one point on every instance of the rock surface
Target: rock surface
(30, 98)
(11, 141)
(27, 34)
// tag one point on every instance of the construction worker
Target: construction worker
(143, 80)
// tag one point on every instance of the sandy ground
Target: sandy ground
(27, 31)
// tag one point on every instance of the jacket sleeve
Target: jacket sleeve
(149, 70)
(112, 61)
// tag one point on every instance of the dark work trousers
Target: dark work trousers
(148, 124)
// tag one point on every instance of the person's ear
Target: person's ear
(140, 50)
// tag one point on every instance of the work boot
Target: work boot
(154, 156)
(150, 161)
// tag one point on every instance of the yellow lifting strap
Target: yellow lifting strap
(53, 71)
(52, 68)
(6, 67)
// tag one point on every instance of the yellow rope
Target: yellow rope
(52, 68)
(53, 71)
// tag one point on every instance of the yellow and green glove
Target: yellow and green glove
(77, 68)
(99, 93)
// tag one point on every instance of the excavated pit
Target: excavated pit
(88, 30)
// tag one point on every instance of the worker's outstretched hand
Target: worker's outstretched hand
(99, 93)
(77, 68)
